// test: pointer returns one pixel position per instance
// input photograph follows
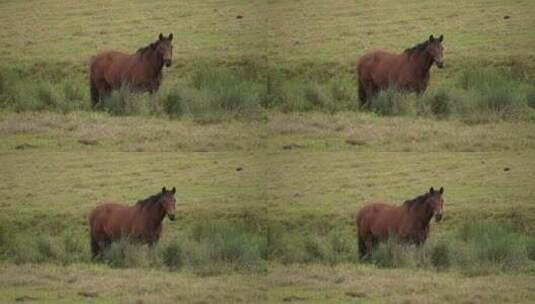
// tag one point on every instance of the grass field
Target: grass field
(297, 32)
(267, 187)
(313, 195)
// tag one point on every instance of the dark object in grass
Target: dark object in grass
(88, 294)
(293, 299)
(25, 299)
(25, 146)
(355, 142)
(88, 142)
(354, 294)
(292, 146)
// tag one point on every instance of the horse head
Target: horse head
(168, 201)
(164, 48)
(435, 203)
(435, 50)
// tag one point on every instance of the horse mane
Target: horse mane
(415, 201)
(147, 48)
(149, 200)
(418, 47)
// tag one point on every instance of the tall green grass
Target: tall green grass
(475, 248)
(290, 245)
(476, 96)
(18, 93)
(222, 246)
(212, 93)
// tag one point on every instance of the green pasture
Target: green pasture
(258, 127)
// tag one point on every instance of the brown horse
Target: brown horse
(409, 223)
(141, 71)
(408, 71)
(142, 222)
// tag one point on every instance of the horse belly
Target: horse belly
(383, 229)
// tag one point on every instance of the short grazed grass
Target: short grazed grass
(357, 132)
(305, 284)
(52, 191)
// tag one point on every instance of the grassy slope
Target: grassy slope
(52, 191)
(45, 191)
(67, 33)
(310, 131)
(313, 284)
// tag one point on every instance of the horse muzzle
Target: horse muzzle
(438, 217)
(172, 217)
(440, 64)
(167, 62)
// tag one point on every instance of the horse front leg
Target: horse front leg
(155, 85)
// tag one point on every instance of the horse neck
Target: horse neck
(153, 213)
(419, 215)
(421, 62)
(153, 61)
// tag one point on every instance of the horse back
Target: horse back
(111, 66)
(378, 219)
(109, 219)
(380, 67)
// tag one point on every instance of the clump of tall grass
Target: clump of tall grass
(293, 246)
(126, 102)
(215, 94)
(393, 254)
(492, 246)
(216, 246)
(475, 96)
(392, 102)
(127, 253)
(476, 248)
(483, 95)
(24, 248)
(29, 94)
(302, 95)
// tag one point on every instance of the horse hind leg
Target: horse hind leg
(95, 98)
(362, 94)
(95, 248)
(362, 248)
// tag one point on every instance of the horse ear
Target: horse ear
(431, 38)
(170, 36)
(441, 190)
(431, 190)
(163, 190)
(174, 190)
(441, 38)
(160, 37)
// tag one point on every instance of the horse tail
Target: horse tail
(362, 94)
(94, 247)
(362, 248)
(361, 243)
(360, 84)
(95, 98)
